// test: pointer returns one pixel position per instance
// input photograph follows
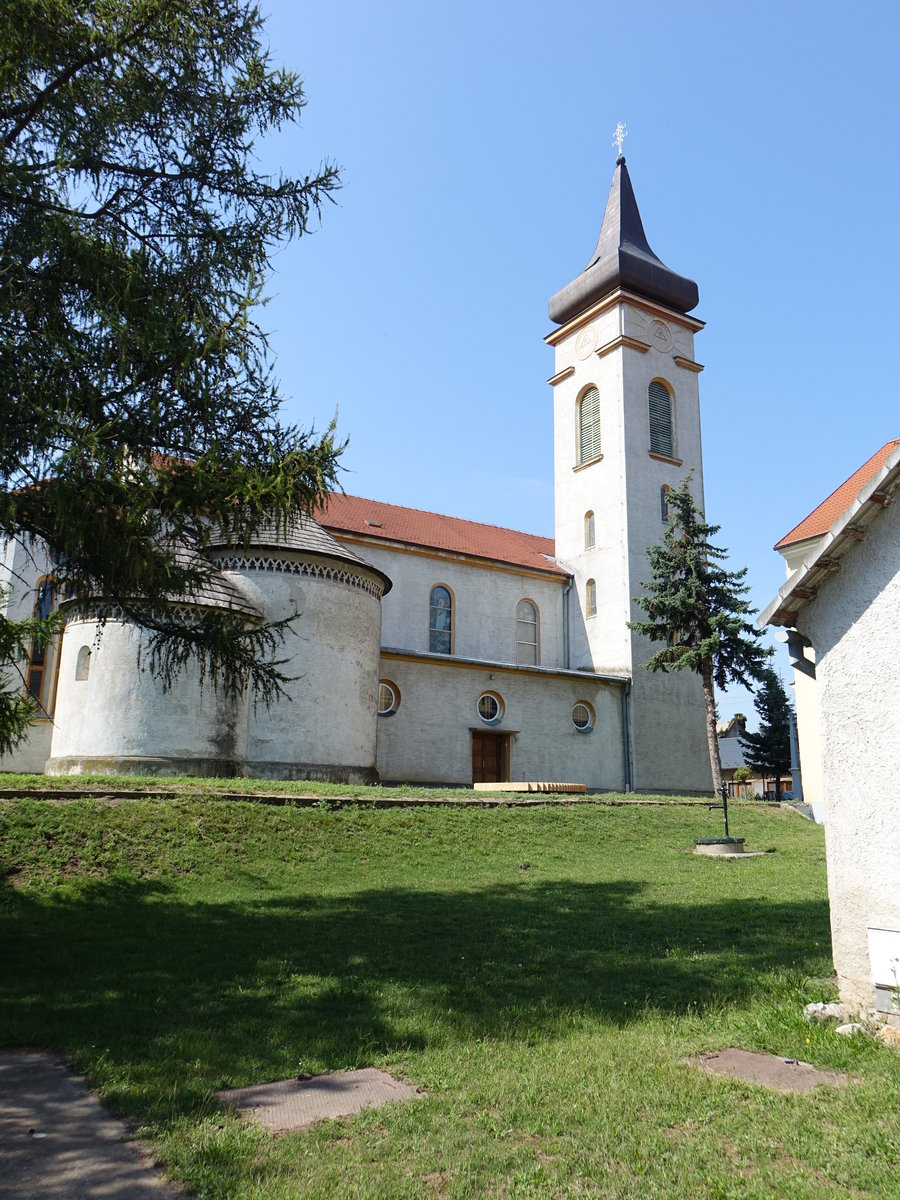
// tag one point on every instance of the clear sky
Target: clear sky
(475, 147)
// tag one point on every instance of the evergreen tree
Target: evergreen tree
(769, 750)
(137, 404)
(698, 608)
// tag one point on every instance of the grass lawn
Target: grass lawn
(541, 974)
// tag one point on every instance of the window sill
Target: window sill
(676, 462)
(590, 462)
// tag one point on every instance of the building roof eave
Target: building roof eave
(828, 551)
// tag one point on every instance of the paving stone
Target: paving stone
(57, 1142)
(783, 1074)
(293, 1103)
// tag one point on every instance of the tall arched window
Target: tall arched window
(527, 650)
(38, 659)
(440, 621)
(661, 420)
(589, 530)
(590, 598)
(589, 425)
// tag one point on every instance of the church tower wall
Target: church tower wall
(668, 714)
(627, 427)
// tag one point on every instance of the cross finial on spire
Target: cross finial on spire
(619, 137)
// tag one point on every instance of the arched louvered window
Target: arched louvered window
(589, 530)
(527, 650)
(440, 621)
(589, 426)
(590, 598)
(661, 420)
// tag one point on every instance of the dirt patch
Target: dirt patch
(768, 1070)
(437, 1181)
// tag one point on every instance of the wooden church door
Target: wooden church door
(490, 757)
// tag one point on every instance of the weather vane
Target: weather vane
(619, 136)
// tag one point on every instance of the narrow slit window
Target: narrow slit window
(665, 514)
(589, 530)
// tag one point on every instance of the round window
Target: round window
(583, 717)
(388, 697)
(490, 708)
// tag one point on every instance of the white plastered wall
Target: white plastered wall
(623, 490)
(324, 727)
(429, 738)
(600, 642)
(669, 712)
(806, 705)
(853, 625)
(121, 718)
(20, 570)
(809, 742)
(485, 598)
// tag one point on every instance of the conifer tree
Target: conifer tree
(768, 751)
(137, 404)
(698, 609)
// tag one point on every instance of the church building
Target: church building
(430, 649)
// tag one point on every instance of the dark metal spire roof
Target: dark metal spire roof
(623, 258)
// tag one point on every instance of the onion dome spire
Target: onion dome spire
(623, 259)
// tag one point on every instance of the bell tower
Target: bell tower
(626, 430)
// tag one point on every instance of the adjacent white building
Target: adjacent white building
(841, 605)
(432, 649)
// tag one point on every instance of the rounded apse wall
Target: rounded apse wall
(324, 726)
(112, 715)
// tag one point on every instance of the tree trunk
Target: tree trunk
(709, 698)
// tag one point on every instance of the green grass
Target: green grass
(541, 974)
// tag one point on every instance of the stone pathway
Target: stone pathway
(57, 1142)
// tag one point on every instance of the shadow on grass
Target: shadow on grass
(216, 994)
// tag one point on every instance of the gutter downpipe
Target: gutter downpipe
(626, 735)
(566, 590)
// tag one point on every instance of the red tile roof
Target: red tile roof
(353, 514)
(822, 518)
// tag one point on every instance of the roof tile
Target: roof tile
(391, 522)
(822, 518)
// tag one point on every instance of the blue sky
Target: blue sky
(475, 148)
